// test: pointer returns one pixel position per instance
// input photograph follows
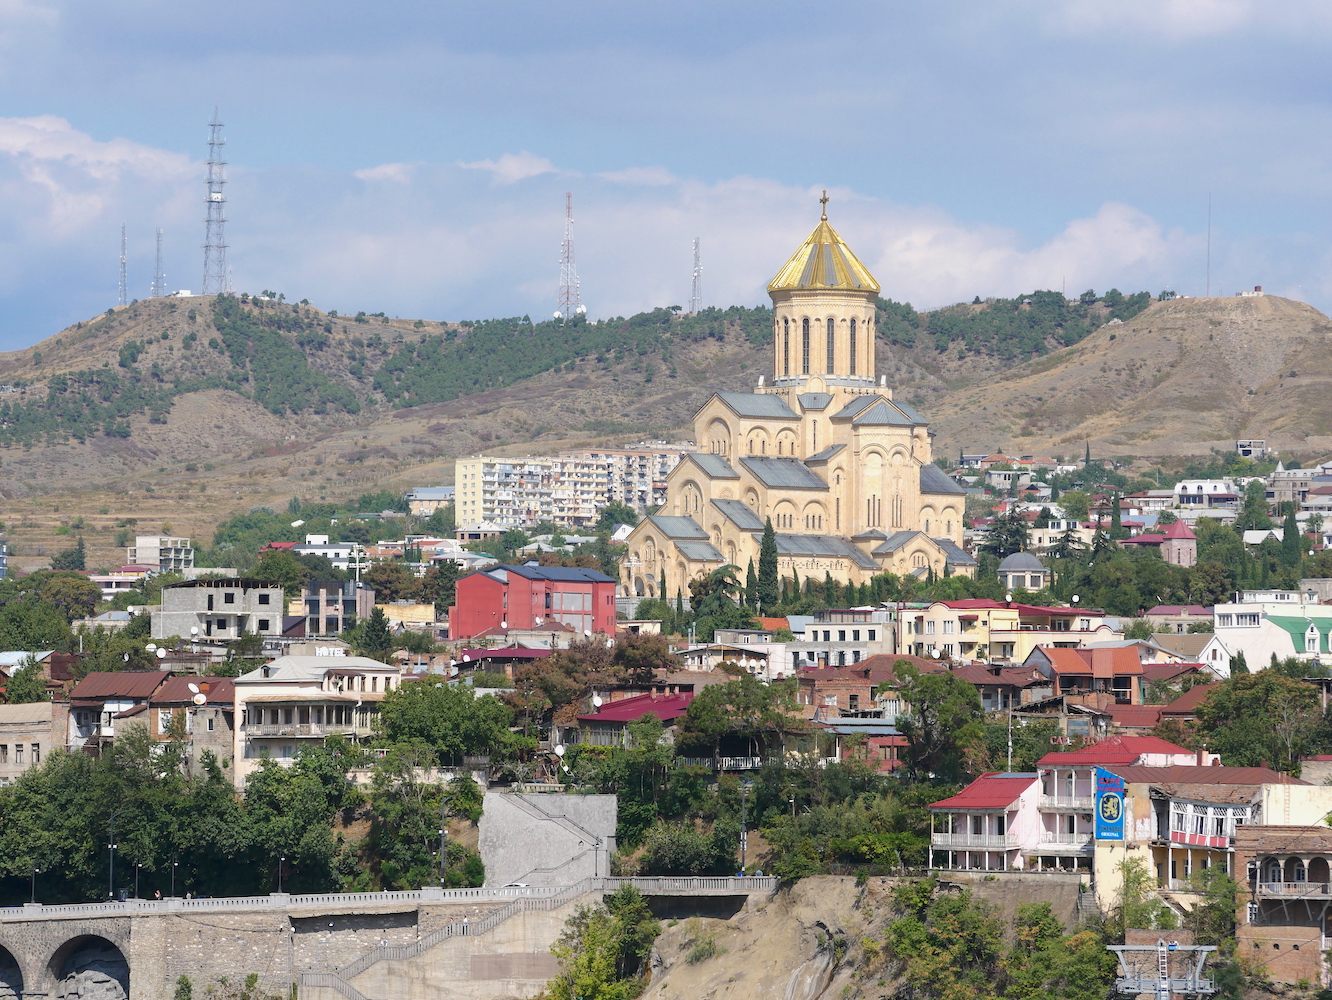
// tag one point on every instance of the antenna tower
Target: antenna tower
(124, 285)
(159, 279)
(569, 304)
(216, 276)
(696, 295)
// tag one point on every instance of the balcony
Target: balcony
(305, 729)
(1289, 890)
(1054, 838)
(1066, 803)
(974, 841)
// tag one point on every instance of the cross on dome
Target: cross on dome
(824, 202)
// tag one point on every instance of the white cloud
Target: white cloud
(513, 167)
(645, 176)
(1174, 20)
(397, 173)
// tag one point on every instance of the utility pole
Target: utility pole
(443, 840)
(569, 304)
(744, 832)
(159, 279)
(696, 295)
(124, 284)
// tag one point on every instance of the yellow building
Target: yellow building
(844, 471)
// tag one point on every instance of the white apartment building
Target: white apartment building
(161, 552)
(566, 489)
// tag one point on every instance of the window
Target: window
(228, 598)
(949, 625)
(163, 719)
(222, 623)
(4, 753)
(929, 627)
(263, 598)
(852, 369)
(804, 346)
(36, 753)
(831, 344)
(786, 347)
(211, 723)
(18, 753)
(841, 635)
(263, 624)
(948, 649)
(830, 700)
(1225, 620)
(871, 635)
(210, 602)
(855, 635)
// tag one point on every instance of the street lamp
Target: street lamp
(137, 866)
(744, 832)
(174, 866)
(35, 871)
(280, 861)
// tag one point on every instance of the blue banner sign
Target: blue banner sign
(1109, 805)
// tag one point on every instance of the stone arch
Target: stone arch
(89, 965)
(639, 590)
(726, 493)
(732, 554)
(691, 497)
(929, 520)
(813, 518)
(784, 516)
(719, 436)
(786, 441)
(11, 976)
(752, 499)
(757, 441)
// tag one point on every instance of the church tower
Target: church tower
(823, 314)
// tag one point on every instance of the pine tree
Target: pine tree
(751, 586)
(1292, 542)
(1117, 530)
(1087, 458)
(767, 567)
(830, 594)
(376, 639)
(679, 608)
(795, 585)
(661, 585)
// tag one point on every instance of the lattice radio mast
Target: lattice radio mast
(569, 305)
(159, 279)
(124, 285)
(696, 295)
(216, 277)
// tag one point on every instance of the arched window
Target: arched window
(804, 346)
(852, 370)
(786, 347)
(831, 344)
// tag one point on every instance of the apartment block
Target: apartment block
(219, 609)
(161, 552)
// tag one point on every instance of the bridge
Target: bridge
(481, 944)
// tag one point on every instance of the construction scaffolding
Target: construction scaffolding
(1163, 969)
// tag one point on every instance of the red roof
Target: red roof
(1188, 702)
(120, 684)
(1121, 750)
(987, 604)
(276, 546)
(1143, 540)
(1213, 774)
(666, 707)
(1135, 716)
(1179, 530)
(217, 691)
(1180, 609)
(1168, 671)
(506, 653)
(991, 791)
(772, 624)
(1113, 661)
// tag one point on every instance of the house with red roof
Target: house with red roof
(1177, 544)
(607, 724)
(1115, 671)
(987, 630)
(990, 825)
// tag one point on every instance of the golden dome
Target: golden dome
(824, 261)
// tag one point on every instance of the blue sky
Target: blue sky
(413, 157)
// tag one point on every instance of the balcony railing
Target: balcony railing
(1062, 837)
(974, 841)
(300, 729)
(1074, 803)
(1286, 889)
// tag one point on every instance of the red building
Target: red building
(527, 596)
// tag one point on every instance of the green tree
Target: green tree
(447, 718)
(1117, 529)
(70, 559)
(751, 586)
(375, 639)
(1007, 534)
(442, 522)
(767, 568)
(285, 568)
(439, 585)
(392, 582)
(1292, 541)
(27, 683)
(614, 514)
(1076, 505)
(32, 624)
(1266, 716)
(1253, 512)
(943, 721)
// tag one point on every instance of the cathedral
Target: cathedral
(844, 471)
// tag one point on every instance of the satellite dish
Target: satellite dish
(199, 699)
(596, 701)
(557, 316)
(125, 657)
(466, 658)
(559, 750)
(587, 632)
(504, 624)
(161, 654)
(194, 631)
(151, 646)
(194, 688)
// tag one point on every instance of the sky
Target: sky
(413, 157)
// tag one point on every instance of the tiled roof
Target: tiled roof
(1252, 839)
(1179, 530)
(883, 414)
(988, 792)
(783, 473)
(1187, 644)
(1135, 716)
(757, 404)
(1205, 775)
(856, 405)
(894, 541)
(1119, 750)
(1180, 609)
(772, 624)
(954, 553)
(564, 574)
(176, 691)
(1152, 672)
(1188, 702)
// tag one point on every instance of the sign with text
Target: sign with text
(1109, 805)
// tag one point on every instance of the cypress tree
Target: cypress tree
(1087, 458)
(767, 567)
(661, 586)
(1116, 519)
(751, 586)
(679, 608)
(795, 585)
(1292, 542)
(830, 588)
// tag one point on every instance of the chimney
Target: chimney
(1263, 764)
(1202, 757)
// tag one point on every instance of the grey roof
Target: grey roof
(933, 480)
(692, 549)
(714, 466)
(757, 404)
(910, 411)
(823, 545)
(790, 473)
(305, 668)
(826, 454)
(815, 400)
(677, 527)
(431, 493)
(1022, 561)
(955, 554)
(883, 414)
(870, 533)
(856, 405)
(740, 514)
(567, 574)
(895, 541)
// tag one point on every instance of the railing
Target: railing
(285, 901)
(727, 763)
(1295, 889)
(334, 982)
(1080, 803)
(1063, 837)
(974, 841)
(301, 729)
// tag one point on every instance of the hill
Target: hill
(184, 411)
(1181, 378)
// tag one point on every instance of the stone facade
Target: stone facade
(844, 471)
(546, 839)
